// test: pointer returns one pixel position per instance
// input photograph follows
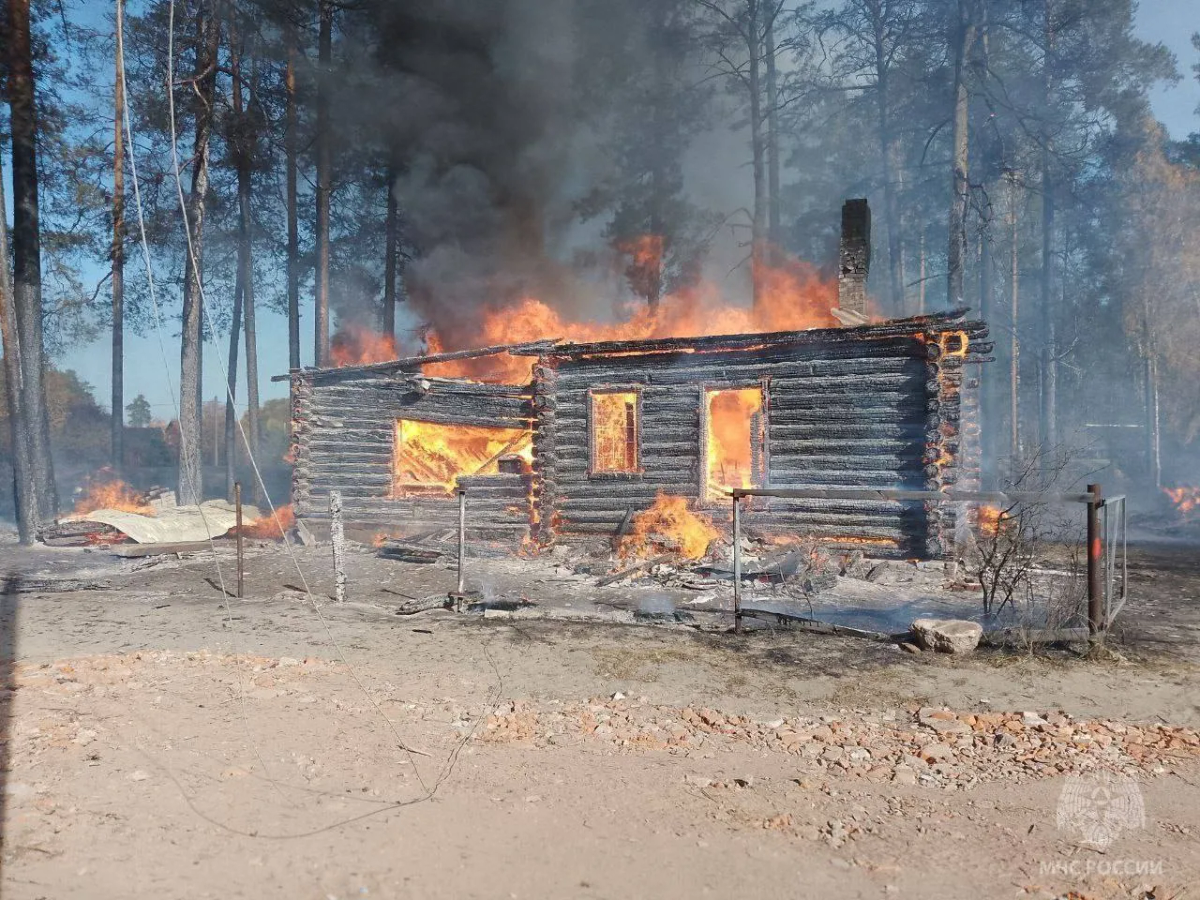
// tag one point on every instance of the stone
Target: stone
(1032, 719)
(790, 739)
(824, 734)
(947, 635)
(904, 775)
(909, 648)
(832, 754)
(936, 753)
(948, 726)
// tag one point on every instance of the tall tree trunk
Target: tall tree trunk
(244, 157)
(956, 255)
(293, 216)
(252, 406)
(118, 250)
(392, 252)
(1014, 352)
(231, 429)
(774, 226)
(191, 472)
(921, 275)
(1153, 421)
(324, 182)
(988, 377)
(758, 231)
(24, 488)
(1049, 405)
(27, 257)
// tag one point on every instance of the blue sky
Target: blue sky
(1169, 21)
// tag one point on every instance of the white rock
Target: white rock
(947, 635)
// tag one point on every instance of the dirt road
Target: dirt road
(158, 745)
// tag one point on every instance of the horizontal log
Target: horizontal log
(647, 449)
(371, 415)
(852, 403)
(382, 402)
(791, 467)
(424, 386)
(819, 343)
(746, 373)
(326, 467)
(637, 489)
(842, 415)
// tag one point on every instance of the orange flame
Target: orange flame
(267, 528)
(667, 524)
(734, 436)
(990, 520)
(112, 494)
(614, 432)
(794, 297)
(356, 345)
(429, 456)
(1186, 500)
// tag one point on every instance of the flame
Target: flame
(990, 520)
(111, 494)
(734, 434)
(962, 343)
(854, 539)
(267, 528)
(430, 456)
(356, 345)
(666, 524)
(1186, 500)
(794, 297)
(614, 432)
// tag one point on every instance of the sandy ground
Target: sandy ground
(159, 742)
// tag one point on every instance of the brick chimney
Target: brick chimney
(855, 256)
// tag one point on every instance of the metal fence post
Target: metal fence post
(1095, 554)
(237, 502)
(737, 563)
(462, 544)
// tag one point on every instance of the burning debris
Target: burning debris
(991, 519)
(106, 491)
(270, 527)
(1186, 500)
(432, 457)
(110, 512)
(669, 526)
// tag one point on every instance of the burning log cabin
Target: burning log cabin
(602, 429)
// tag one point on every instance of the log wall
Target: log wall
(343, 434)
(884, 406)
(881, 412)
